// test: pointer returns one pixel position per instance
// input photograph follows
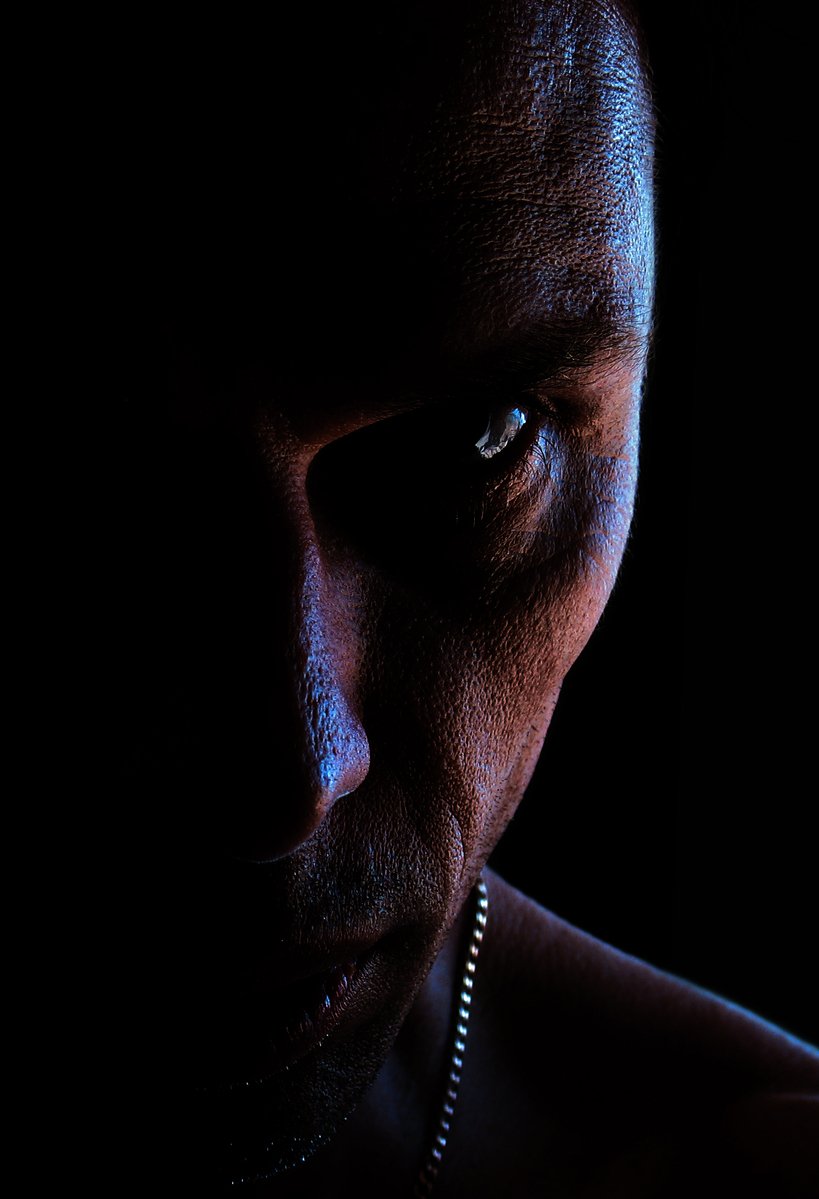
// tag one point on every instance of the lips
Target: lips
(271, 1023)
(292, 1011)
(305, 1012)
(275, 975)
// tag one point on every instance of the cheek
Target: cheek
(462, 682)
(507, 713)
(486, 685)
(472, 707)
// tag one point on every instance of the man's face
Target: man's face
(387, 474)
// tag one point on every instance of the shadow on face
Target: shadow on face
(345, 256)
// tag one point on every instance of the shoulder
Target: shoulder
(635, 1068)
(540, 966)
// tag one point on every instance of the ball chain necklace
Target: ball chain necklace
(429, 1171)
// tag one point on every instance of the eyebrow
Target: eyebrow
(539, 352)
(545, 350)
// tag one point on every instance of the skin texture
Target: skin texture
(347, 633)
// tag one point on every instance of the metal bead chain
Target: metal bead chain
(429, 1171)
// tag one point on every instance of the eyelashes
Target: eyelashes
(442, 475)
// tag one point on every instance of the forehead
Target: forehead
(542, 162)
(422, 184)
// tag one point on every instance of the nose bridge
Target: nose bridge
(320, 743)
(323, 653)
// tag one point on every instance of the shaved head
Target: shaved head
(370, 242)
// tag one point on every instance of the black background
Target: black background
(671, 811)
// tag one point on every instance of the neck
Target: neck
(405, 1099)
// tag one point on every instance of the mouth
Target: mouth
(276, 1023)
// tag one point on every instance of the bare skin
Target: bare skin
(352, 628)
(588, 1073)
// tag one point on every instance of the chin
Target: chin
(277, 1127)
(245, 1131)
(228, 1136)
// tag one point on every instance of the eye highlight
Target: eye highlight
(436, 484)
(501, 429)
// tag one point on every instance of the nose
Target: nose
(315, 750)
(333, 755)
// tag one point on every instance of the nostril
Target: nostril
(288, 794)
(279, 827)
(251, 841)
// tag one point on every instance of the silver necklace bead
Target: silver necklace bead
(429, 1171)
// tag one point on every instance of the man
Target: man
(382, 429)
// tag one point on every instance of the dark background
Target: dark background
(671, 811)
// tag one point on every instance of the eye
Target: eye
(502, 428)
(427, 487)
